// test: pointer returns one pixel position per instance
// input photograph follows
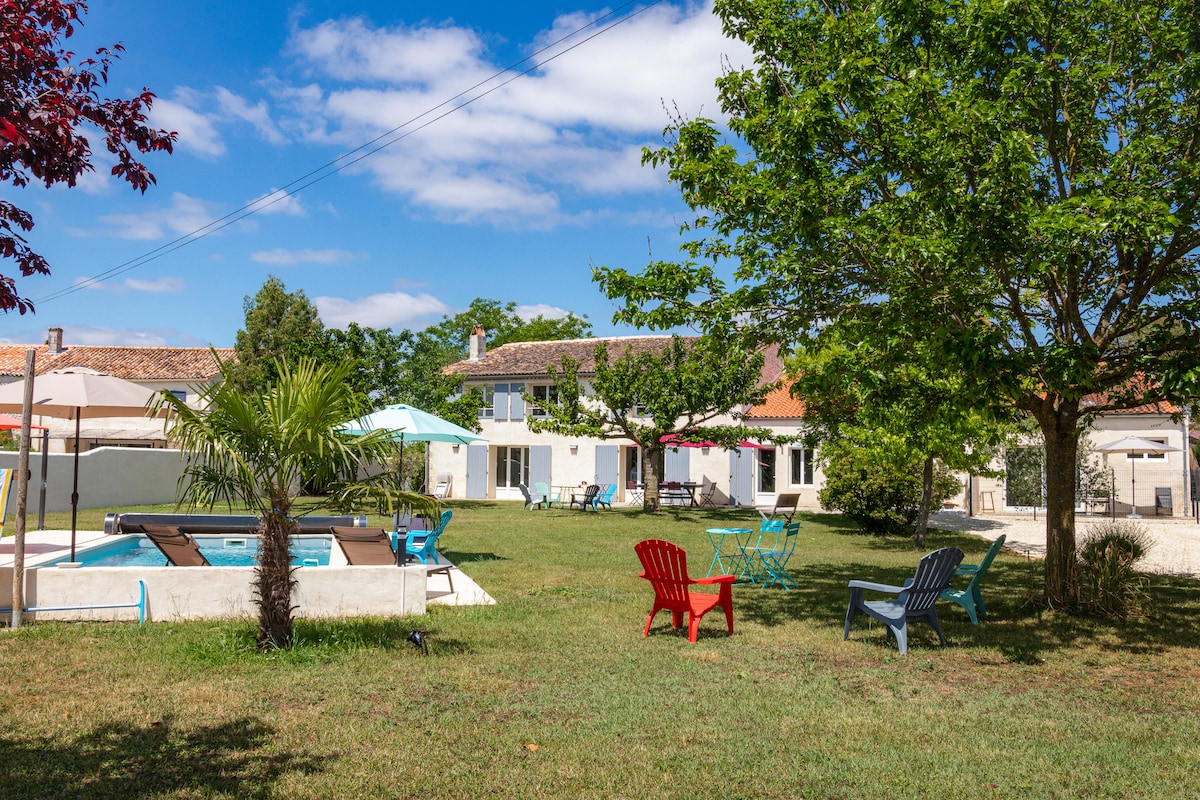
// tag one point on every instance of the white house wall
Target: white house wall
(109, 477)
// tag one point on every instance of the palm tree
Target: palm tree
(260, 448)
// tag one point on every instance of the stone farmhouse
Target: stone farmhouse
(749, 476)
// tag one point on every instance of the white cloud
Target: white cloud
(541, 310)
(258, 114)
(128, 337)
(185, 215)
(280, 256)
(525, 152)
(277, 201)
(167, 284)
(197, 133)
(389, 310)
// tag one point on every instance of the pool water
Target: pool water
(221, 551)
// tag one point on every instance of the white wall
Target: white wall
(109, 477)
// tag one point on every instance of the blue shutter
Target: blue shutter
(676, 465)
(500, 402)
(741, 472)
(539, 464)
(477, 471)
(608, 468)
(516, 403)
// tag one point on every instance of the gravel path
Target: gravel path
(1176, 549)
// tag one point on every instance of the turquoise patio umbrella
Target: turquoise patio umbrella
(409, 423)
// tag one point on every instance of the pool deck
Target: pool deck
(45, 546)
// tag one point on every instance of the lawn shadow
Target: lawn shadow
(1018, 622)
(459, 557)
(234, 759)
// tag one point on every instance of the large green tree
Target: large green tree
(258, 448)
(276, 320)
(1017, 181)
(895, 399)
(646, 396)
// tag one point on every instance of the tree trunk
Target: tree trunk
(653, 466)
(926, 502)
(1059, 422)
(273, 581)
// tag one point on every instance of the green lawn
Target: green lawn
(553, 692)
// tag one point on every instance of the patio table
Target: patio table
(716, 537)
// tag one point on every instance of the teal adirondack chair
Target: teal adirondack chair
(605, 497)
(550, 498)
(970, 598)
(420, 544)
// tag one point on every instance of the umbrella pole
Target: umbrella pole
(1133, 490)
(399, 482)
(75, 487)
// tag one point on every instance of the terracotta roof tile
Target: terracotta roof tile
(779, 404)
(130, 363)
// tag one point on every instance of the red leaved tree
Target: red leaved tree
(46, 96)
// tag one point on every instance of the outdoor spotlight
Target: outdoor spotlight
(418, 640)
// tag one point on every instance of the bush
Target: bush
(879, 492)
(1108, 582)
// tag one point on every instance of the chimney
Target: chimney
(477, 345)
(54, 341)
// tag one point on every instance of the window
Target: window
(487, 410)
(543, 396)
(1153, 456)
(802, 467)
(766, 470)
(181, 394)
(512, 467)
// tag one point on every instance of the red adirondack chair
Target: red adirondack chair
(665, 566)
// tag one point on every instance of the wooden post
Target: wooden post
(18, 586)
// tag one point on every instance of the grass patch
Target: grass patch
(1028, 704)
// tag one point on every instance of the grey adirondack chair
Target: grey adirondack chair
(915, 600)
(970, 598)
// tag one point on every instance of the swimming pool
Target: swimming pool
(221, 551)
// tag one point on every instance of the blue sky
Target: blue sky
(514, 197)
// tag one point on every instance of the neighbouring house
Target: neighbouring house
(123, 461)
(179, 370)
(514, 454)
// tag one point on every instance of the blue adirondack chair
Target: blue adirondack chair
(420, 544)
(605, 497)
(916, 599)
(970, 598)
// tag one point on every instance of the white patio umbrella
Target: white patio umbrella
(78, 393)
(413, 424)
(1133, 445)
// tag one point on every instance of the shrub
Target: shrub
(878, 491)
(1109, 584)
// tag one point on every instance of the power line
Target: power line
(360, 153)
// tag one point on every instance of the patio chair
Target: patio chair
(916, 599)
(441, 489)
(707, 493)
(549, 498)
(665, 565)
(671, 492)
(770, 563)
(605, 497)
(587, 499)
(785, 506)
(970, 598)
(420, 544)
(180, 548)
(365, 548)
(634, 492)
(532, 501)
(1162, 501)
